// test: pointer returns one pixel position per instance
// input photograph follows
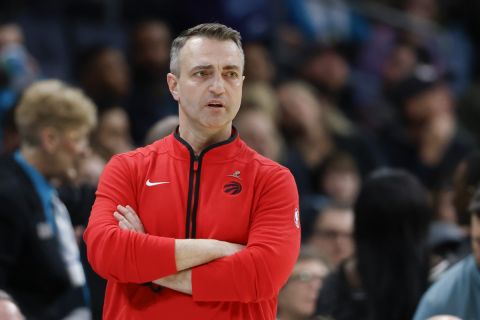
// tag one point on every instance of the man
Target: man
(298, 298)
(221, 222)
(149, 100)
(332, 234)
(457, 293)
(39, 259)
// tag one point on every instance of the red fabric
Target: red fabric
(261, 216)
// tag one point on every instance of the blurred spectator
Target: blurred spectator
(465, 181)
(332, 235)
(36, 233)
(149, 54)
(340, 180)
(112, 134)
(261, 95)
(260, 133)
(258, 63)
(161, 129)
(417, 23)
(297, 298)
(326, 21)
(303, 120)
(328, 71)
(8, 308)
(430, 143)
(315, 130)
(391, 219)
(374, 95)
(103, 74)
(18, 69)
(449, 242)
(457, 293)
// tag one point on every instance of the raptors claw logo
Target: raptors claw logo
(232, 188)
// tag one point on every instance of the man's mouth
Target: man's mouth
(215, 104)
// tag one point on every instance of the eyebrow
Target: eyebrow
(209, 67)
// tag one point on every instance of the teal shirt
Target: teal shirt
(456, 293)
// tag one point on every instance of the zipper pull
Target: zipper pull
(195, 165)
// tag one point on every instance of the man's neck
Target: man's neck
(199, 140)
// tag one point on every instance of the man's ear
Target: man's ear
(173, 85)
(49, 138)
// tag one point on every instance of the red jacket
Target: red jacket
(230, 193)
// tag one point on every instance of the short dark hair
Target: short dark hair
(208, 30)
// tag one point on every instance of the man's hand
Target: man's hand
(128, 219)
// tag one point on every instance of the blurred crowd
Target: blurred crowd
(335, 90)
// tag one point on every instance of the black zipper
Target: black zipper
(194, 177)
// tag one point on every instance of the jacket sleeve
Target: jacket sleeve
(122, 255)
(262, 268)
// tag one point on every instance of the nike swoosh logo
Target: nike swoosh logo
(151, 184)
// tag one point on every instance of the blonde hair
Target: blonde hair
(52, 103)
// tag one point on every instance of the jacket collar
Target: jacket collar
(217, 152)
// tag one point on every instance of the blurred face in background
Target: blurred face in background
(328, 70)
(399, 64)
(113, 133)
(65, 149)
(341, 185)
(108, 73)
(425, 106)
(298, 298)
(332, 234)
(258, 65)
(151, 48)
(300, 110)
(258, 131)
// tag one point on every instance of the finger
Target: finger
(123, 225)
(123, 210)
(118, 216)
(121, 219)
(134, 219)
(130, 215)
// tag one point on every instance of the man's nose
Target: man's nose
(217, 87)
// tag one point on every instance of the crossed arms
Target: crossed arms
(189, 253)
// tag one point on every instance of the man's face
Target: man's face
(151, 47)
(476, 237)
(70, 149)
(209, 85)
(299, 296)
(332, 234)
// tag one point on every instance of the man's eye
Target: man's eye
(232, 74)
(200, 74)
